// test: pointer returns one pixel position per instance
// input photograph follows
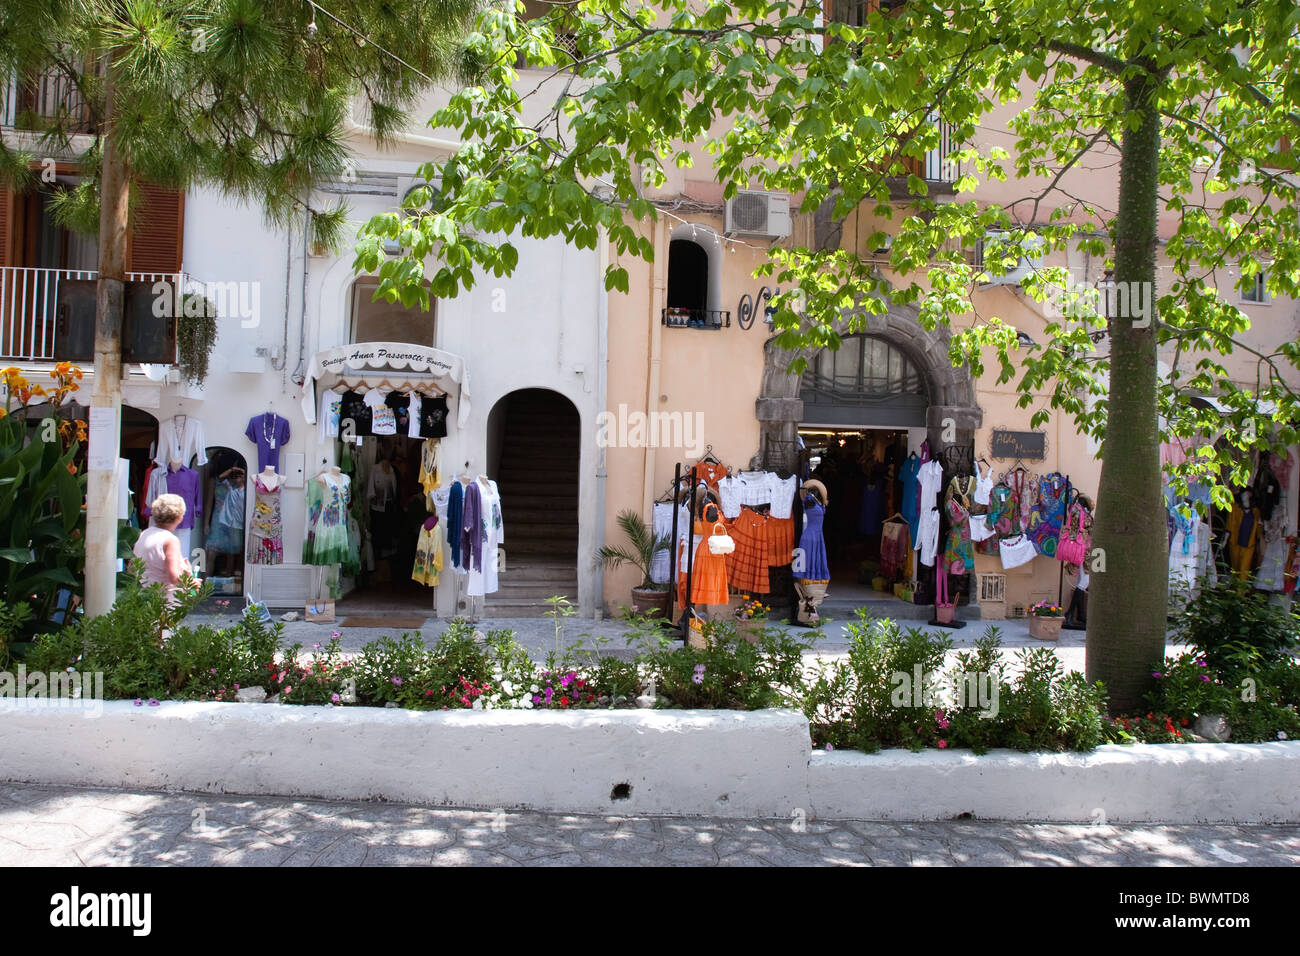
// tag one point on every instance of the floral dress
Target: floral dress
(1048, 515)
(265, 544)
(328, 499)
(958, 555)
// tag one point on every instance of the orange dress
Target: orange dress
(708, 573)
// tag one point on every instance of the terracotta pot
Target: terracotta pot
(1045, 628)
(645, 600)
(751, 631)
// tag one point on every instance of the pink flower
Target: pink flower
(943, 744)
(334, 698)
(288, 690)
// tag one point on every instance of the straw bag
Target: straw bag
(720, 542)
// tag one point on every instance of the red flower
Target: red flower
(581, 683)
(564, 702)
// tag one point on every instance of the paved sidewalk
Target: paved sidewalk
(538, 635)
(67, 826)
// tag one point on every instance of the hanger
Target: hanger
(709, 456)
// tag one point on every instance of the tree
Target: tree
(247, 96)
(1197, 103)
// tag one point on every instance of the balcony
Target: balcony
(677, 318)
(939, 172)
(51, 99)
(28, 303)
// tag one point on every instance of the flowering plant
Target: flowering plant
(1044, 609)
(752, 609)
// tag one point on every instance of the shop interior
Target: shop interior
(860, 468)
(389, 507)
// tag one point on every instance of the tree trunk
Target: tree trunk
(1126, 623)
(101, 487)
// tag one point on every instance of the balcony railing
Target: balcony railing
(50, 98)
(935, 167)
(28, 303)
(677, 318)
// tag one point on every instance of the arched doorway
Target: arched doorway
(861, 410)
(219, 530)
(533, 451)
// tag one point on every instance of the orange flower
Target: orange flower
(72, 469)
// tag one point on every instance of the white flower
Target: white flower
(1281, 735)
(533, 688)
(487, 706)
(526, 702)
(478, 704)
(508, 687)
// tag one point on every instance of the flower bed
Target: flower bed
(892, 689)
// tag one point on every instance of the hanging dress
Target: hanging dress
(483, 579)
(428, 553)
(958, 555)
(813, 544)
(430, 472)
(226, 536)
(709, 571)
(911, 509)
(328, 499)
(265, 533)
(1048, 515)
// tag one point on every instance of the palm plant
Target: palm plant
(640, 550)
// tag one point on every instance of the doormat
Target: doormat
(405, 621)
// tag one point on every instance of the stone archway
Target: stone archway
(952, 392)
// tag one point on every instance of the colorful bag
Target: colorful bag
(1076, 540)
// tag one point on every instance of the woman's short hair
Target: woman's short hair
(167, 509)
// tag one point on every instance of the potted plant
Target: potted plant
(751, 618)
(1045, 621)
(639, 552)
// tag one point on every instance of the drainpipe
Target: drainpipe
(602, 404)
(655, 351)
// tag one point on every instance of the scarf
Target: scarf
(455, 505)
(471, 544)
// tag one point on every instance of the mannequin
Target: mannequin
(270, 480)
(265, 531)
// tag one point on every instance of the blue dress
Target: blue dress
(813, 545)
(911, 486)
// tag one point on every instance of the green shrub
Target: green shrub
(1258, 704)
(1237, 629)
(729, 672)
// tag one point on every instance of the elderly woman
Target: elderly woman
(160, 549)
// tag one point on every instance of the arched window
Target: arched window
(866, 381)
(694, 279)
(688, 276)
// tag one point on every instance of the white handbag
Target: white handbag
(1016, 551)
(721, 543)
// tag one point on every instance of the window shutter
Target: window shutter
(7, 227)
(157, 230)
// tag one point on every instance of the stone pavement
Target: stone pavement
(538, 635)
(68, 826)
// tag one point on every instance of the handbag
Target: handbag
(721, 543)
(1075, 541)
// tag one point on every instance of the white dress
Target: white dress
(930, 477)
(182, 444)
(927, 536)
(1195, 567)
(662, 527)
(484, 581)
(1272, 563)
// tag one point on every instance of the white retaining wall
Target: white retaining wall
(691, 763)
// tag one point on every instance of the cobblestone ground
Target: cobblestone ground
(66, 826)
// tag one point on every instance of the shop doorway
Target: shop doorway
(534, 448)
(220, 531)
(860, 468)
(389, 507)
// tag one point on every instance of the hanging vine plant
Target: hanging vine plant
(196, 336)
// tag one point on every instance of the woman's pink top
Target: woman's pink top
(149, 549)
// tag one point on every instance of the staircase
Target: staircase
(538, 482)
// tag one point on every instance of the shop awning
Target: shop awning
(404, 367)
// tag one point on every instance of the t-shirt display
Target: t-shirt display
(433, 417)
(270, 433)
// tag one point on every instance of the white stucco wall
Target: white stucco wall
(536, 329)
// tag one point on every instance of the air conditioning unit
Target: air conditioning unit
(754, 213)
(1023, 267)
